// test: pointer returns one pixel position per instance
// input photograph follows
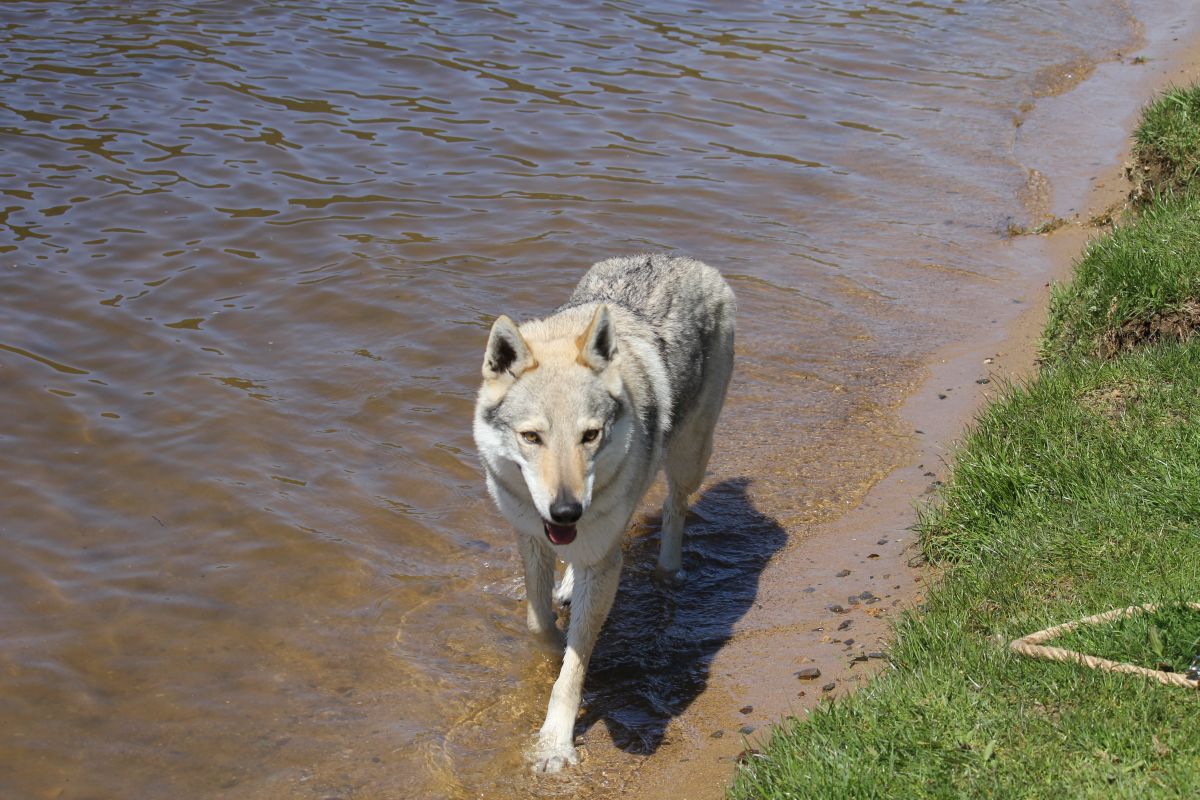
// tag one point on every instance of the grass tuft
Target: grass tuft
(1140, 284)
(1165, 144)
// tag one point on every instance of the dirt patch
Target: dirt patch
(1111, 401)
(1175, 325)
(1152, 174)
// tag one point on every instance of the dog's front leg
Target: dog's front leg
(539, 589)
(594, 590)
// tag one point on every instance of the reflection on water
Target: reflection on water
(248, 256)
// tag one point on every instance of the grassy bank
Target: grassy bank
(1074, 493)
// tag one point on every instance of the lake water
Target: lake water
(249, 255)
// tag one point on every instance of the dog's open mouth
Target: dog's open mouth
(559, 534)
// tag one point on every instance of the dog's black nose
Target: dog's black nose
(565, 512)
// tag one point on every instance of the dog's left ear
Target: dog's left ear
(598, 344)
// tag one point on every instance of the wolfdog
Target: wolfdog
(577, 413)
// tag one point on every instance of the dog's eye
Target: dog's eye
(530, 437)
(590, 435)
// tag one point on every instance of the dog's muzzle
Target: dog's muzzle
(559, 534)
(565, 511)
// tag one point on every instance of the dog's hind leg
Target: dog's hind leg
(595, 588)
(539, 586)
(687, 458)
(688, 452)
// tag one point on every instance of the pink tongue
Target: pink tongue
(559, 534)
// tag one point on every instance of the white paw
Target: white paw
(549, 759)
(669, 577)
(549, 637)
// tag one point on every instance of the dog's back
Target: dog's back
(687, 311)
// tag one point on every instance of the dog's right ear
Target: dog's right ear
(507, 354)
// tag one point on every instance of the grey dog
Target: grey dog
(576, 414)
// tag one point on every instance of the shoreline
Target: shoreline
(875, 538)
(1064, 498)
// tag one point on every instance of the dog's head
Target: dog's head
(553, 403)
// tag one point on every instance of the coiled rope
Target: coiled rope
(1032, 646)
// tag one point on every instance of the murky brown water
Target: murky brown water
(248, 257)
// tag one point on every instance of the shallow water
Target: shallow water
(249, 253)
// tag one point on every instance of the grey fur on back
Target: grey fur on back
(684, 304)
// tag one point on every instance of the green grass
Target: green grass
(1074, 493)
(1064, 501)
(1165, 142)
(1167, 638)
(1125, 279)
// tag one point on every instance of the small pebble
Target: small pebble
(843, 573)
(982, 381)
(746, 709)
(845, 624)
(746, 730)
(875, 654)
(882, 541)
(716, 734)
(808, 674)
(837, 609)
(829, 687)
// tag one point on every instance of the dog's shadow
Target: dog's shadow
(654, 654)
